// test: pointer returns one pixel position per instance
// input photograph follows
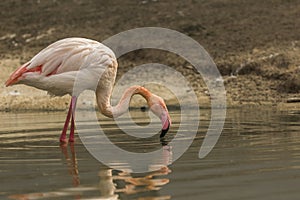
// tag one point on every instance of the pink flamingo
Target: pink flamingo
(55, 68)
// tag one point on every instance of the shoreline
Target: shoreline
(249, 88)
(61, 104)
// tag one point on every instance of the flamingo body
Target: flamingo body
(56, 67)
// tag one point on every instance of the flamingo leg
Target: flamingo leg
(64, 131)
(63, 136)
(71, 137)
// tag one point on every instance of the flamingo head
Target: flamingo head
(158, 107)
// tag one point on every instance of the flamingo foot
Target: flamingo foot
(71, 136)
(72, 140)
(63, 140)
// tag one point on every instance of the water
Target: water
(256, 157)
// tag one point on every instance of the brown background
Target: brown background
(254, 43)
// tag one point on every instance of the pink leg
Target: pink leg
(71, 137)
(72, 130)
(64, 131)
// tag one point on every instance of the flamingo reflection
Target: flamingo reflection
(131, 185)
(112, 183)
(71, 162)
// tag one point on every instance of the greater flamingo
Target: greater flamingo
(55, 68)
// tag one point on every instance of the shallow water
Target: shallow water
(256, 157)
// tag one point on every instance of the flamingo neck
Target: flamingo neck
(108, 110)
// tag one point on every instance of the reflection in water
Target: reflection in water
(112, 183)
(256, 157)
(71, 162)
(124, 182)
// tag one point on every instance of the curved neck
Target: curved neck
(103, 100)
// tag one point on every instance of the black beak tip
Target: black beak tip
(164, 131)
(163, 141)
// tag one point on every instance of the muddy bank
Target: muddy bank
(255, 45)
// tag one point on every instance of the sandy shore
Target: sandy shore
(255, 45)
(241, 90)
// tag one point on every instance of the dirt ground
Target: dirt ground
(255, 44)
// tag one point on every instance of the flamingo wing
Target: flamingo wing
(59, 63)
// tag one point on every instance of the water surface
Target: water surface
(256, 157)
